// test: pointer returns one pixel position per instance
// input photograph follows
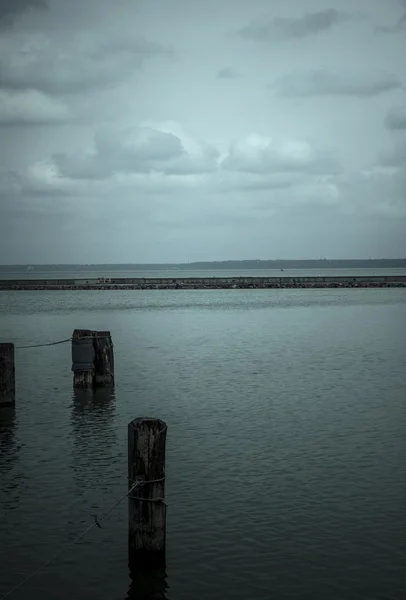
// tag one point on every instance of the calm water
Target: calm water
(84, 273)
(286, 456)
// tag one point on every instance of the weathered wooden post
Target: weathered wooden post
(92, 359)
(83, 357)
(104, 359)
(147, 582)
(146, 504)
(7, 375)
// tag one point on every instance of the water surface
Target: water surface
(286, 413)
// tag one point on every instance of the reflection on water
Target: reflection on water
(7, 426)
(148, 582)
(9, 457)
(94, 437)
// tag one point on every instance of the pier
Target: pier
(200, 283)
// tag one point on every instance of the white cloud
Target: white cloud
(168, 161)
(31, 107)
(261, 154)
(161, 158)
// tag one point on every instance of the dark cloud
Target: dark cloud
(227, 73)
(396, 157)
(399, 26)
(76, 66)
(30, 107)
(239, 181)
(321, 82)
(41, 180)
(10, 9)
(380, 190)
(146, 150)
(396, 118)
(294, 27)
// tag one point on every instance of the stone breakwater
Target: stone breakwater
(208, 283)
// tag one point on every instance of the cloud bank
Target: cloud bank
(294, 28)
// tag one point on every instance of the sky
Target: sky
(142, 131)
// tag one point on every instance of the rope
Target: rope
(84, 337)
(142, 482)
(48, 344)
(58, 554)
(148, 499)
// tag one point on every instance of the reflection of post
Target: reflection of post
(92, 359)
(7, 426)
(7, 375)
(147, 508)
(11, 479)
(94, 437)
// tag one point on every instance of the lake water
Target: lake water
(286, 448)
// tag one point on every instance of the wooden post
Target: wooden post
(7, 375)
(146, 506)
(92, 359)
(83, 357)
(104, 359)
(147, 582)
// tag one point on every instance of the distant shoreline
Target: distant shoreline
(190, 283)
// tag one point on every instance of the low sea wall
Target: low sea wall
(188, 283)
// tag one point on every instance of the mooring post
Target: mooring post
(146, 504)
(7, 375)
(104, 359)
(147, 582)
(92, 359)
(83, 358)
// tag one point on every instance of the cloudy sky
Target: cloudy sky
(180, 130)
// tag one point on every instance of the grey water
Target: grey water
(286, 448)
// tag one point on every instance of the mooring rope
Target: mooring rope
(58, 554)
(42, 345)
(141, 482)
(149, 499)
(84, 337)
